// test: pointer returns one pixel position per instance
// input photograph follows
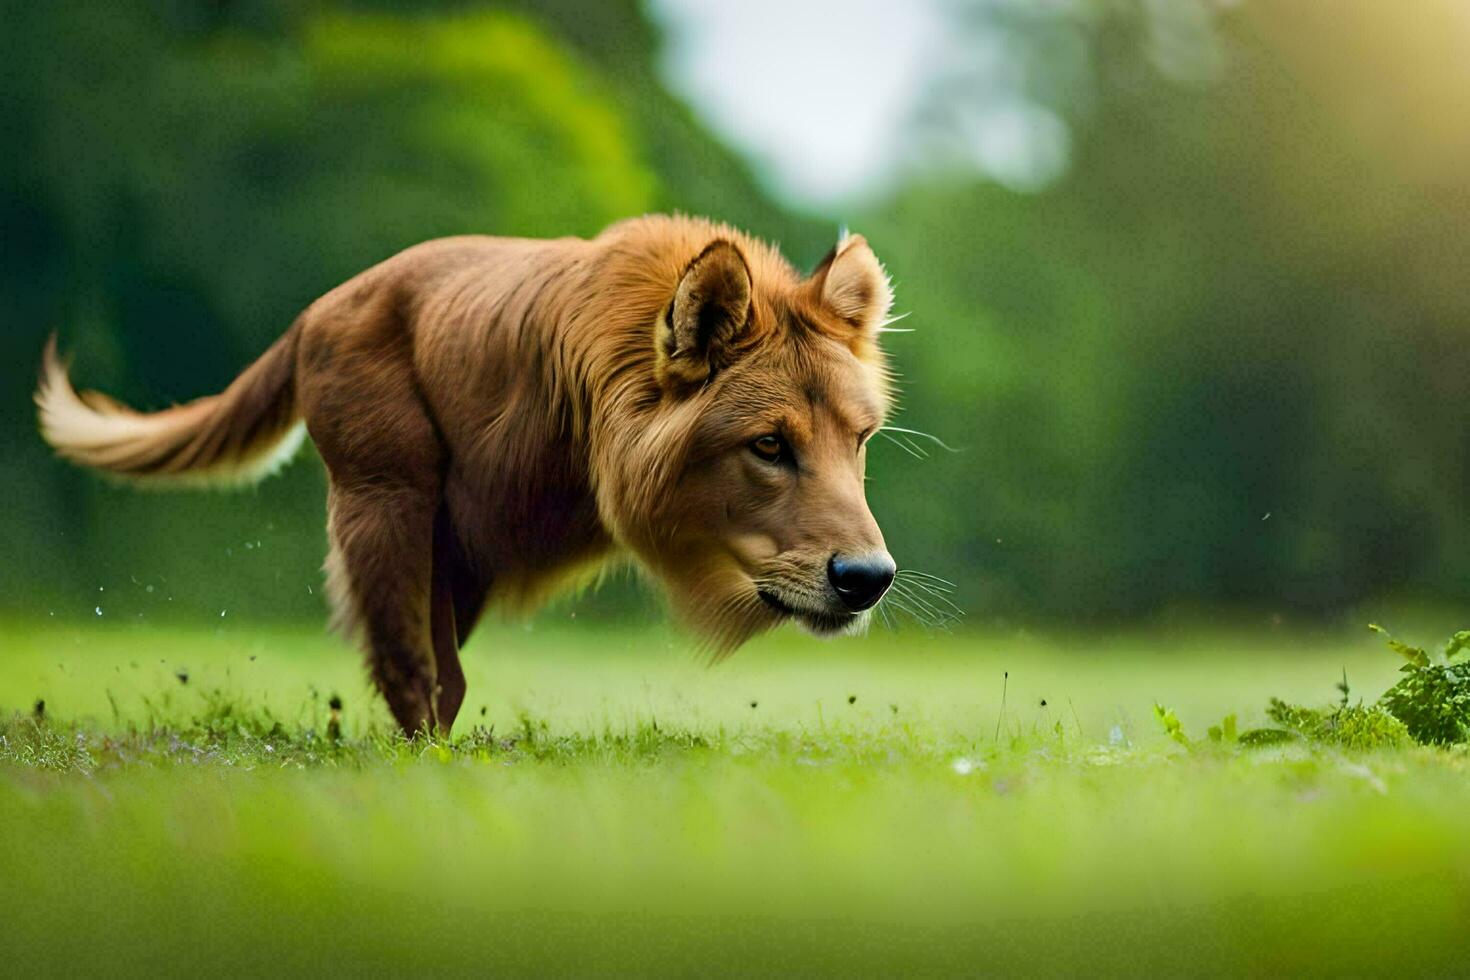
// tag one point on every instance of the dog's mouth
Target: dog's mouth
(774, 601)
(818, 622)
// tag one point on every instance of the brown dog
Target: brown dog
(502, 416)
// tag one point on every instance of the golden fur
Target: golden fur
(500, 415)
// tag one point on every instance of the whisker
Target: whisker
(915, 573)
(920, 602)
(908, 449)
(930, 586)
(905, 603)
(883, 614)
(940, 617)
(899, 606)
(924, 435)
(938, 597)
(914, 446)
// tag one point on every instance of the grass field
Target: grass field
(609, 805)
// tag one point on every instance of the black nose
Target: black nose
(861, 581)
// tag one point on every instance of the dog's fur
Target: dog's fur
(500, 416)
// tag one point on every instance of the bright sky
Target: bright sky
(815, 92)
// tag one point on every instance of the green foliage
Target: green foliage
(1171, 724)
(1416, 656)
(1258, 738)
(1223, 735)
(488, 97)
(1432, 699)
(1430, 704)
(1357, 727)
(1457, 644)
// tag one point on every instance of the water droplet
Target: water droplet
(149, 589)
(99, 610)
(221, 614)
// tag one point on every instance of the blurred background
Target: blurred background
(1184, 277)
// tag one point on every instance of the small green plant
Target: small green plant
(1432, 699)
(1430, 696)
(1430, 704)
(1225, 733)
(1352, 726)
(1172, 726)
(1258, 738)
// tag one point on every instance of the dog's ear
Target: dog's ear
(698, 331)
(851, 283)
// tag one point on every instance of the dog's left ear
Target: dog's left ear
(700, 328)
(851, 283)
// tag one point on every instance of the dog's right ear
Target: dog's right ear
(698, 331)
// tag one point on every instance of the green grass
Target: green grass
(805, 808)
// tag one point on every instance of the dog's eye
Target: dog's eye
(769, 448)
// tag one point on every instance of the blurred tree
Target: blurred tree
(1220, 353)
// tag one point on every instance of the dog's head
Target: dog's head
(777, 393)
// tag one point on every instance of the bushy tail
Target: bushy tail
(243, 434)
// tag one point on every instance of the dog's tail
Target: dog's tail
(243, 434)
